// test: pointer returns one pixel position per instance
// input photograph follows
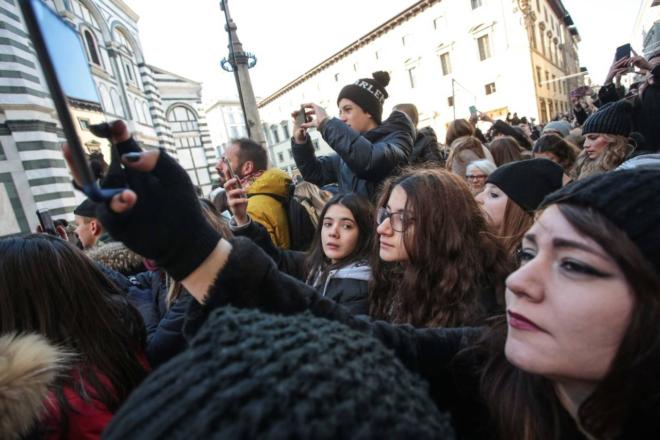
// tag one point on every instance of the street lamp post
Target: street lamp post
(239, 62)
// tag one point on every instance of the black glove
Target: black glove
(166, 224)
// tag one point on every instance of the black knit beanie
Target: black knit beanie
(86, 209)
(629, 199)
(612, 118)
(368, 93)
(248, 374)
(527, 182)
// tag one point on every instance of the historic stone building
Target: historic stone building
(445, 56)
(33, 174)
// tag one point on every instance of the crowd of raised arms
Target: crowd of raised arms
(501, 283)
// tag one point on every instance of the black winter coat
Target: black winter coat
(164, 326)
(348, 286)
(251, 279)
(362, 161)
(645, 112)
(426, 149)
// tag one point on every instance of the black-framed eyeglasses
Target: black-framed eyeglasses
(399, 220)
(476, 177)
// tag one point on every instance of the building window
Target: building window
(377, 55)
(544, 111)
(276, 134)
(554, 83)
(182, 119)
(542, 35)
(406, 39)
(450, 101)
(533, 36)
(439, 22)
(280, 157)
(290, 153)
(484, 47)
(128, 68)
(490, 88)
(538, 6)
(84, 123)
(285, 129)
(539, 76)
(189, 146)
(92, 49)
(476, 3)
(547, 80)
(412, 72)
(445, 63)
(337, 77)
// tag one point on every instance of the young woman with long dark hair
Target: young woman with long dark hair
(436, 264)
(47, 286)
(337, 262)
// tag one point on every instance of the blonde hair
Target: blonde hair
(618, 148)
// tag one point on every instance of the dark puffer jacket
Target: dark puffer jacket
(362, 161)
(426, 149)
(348, 286)
(645, 112)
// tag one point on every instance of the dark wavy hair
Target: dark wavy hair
(316, 263)
(564, 150)
(48, 286)
(455, 266)
(625, 402)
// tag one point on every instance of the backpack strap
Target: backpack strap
(279, 198)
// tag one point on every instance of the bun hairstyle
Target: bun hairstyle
(368, 93)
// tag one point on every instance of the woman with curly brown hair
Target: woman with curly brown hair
(606, 143)
(436, 264)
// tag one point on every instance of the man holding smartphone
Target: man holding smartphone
(247, 161)
(367, 149)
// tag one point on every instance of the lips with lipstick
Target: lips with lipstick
(519, 322)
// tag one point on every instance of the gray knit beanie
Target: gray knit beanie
(248, 374)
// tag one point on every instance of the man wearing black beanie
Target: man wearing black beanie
(368, 150)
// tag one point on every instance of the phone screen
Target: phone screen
(46, 222)
(473, 109)
(66, 70)
(67, 55)
(623, 52)
(301, 118)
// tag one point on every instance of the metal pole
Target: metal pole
(232, 58)
(239, 62)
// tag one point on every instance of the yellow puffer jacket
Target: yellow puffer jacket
(267, 210)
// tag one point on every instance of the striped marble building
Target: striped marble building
(162, 109)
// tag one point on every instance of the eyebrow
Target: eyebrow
(563, 243)
(341, 219)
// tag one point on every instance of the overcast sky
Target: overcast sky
(291, 36)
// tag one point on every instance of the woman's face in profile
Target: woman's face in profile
(568, 305)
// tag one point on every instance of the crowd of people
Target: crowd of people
(502, 284)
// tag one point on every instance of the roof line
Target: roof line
(404, 15)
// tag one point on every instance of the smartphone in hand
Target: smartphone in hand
(230, 174)
(302, 117)
(623, 52)
(46, 222)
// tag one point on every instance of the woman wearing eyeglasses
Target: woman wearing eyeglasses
(436, 265)
(476, 174)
